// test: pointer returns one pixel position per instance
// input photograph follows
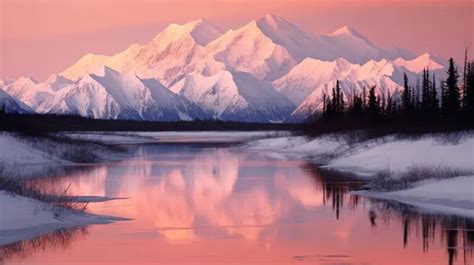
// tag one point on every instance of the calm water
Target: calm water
(206, 204)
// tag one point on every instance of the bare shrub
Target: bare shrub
(57, 201)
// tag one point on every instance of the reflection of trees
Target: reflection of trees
(335, 187)
(456, 232)
(59, 239)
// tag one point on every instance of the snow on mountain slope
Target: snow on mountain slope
(309, 74)
(353, 46)
(248, 49)
(313, 103)
(112, 95)
(57, 82)
(220, 74)
(11, 105)
(173, 106)
(167, 57)
(267, 48)
(33, 94)
(4, 82)
(418, 64)
(92, 62)
(297, 42)
(235, 96)
(26, 90)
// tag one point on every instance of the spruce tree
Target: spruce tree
(425, 97)
(452, 99)
(406, 95)
(373, 104)
(468, 99)
(434, 99)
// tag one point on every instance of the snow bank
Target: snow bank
(23, 218)
(398, 155)
(454, 196)
(14, 151)
(299, 146)
(17, 158)
(369, 157)
(366, 158)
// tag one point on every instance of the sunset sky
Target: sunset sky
(42, 37)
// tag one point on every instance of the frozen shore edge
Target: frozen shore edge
(396, 154)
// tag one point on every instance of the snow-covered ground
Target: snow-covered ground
(455, 195)
(24, 218)
(369, 157)
(17, 158)
(396, 155)
(27, 156)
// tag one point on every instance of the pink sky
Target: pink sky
(42, 37)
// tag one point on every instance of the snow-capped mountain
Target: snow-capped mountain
(425, 61)
(11, 105)
(167, 57)
(312, 104)
(25, 90)
(312, 74)
(4, 82)
(235, 96)
(353, 46)
(267, 48)
(112, 95)
(263, 71)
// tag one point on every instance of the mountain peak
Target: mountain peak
(201, 30)
(274, 22)
(424, 56)
(59, 79)
(421, 62)
(26, 80)
(271, 19)
(348, 31)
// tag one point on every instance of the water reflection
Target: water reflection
(187, 200)
(456, 233)
(60, 239)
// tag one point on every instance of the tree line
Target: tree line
(431, 105)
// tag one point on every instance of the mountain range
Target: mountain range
(268, 70)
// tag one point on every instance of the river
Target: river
(212, 203)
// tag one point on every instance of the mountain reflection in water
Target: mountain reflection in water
(191, 204)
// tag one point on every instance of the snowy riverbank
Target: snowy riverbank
(23, 218)
(398, 156)
(24, 156)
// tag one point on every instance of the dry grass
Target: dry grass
(55, 201)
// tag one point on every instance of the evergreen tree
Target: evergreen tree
(452, 99)
(340, 98)
(434, 99)
(406, 95)
(373, 104)
(364, 98)
(468, 99)
(389, 110)
(425, 97)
